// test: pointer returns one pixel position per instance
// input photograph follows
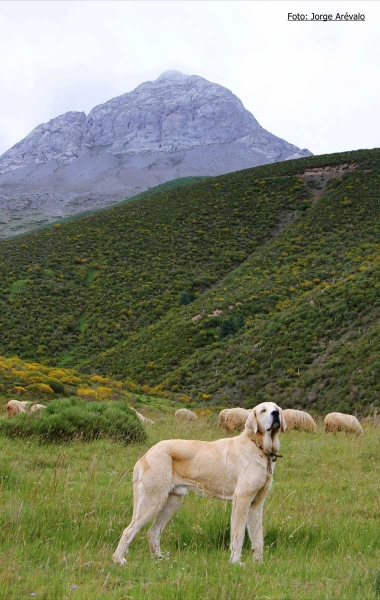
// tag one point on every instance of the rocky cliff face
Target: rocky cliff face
(60, 140)
(176, 126)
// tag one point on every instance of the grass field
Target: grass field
(63, 508)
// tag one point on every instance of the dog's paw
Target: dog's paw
(239, 563)
(161, 556)
(119, 560)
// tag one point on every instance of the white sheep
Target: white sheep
(233, 418)
(141, 418)
(298, 419)
(184, 414)
(342, 422)
(36, 408)
(15, 407)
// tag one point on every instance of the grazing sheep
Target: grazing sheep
(185, 415)
(232, 418)
(36, 408)
(15, 407)
(299, 419)
(341, 422)
(141, 418)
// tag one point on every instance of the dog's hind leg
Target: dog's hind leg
(142, 517)
(150, 493)
(148, 503)
(154, 534)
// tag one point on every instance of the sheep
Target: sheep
(185, 415)
(233, 418)
(141, 418)
(341, 422)
(299, 419)
(15, 407)
(36, 408)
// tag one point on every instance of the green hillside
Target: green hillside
(261, 283)
(158, 189)
(15, 222)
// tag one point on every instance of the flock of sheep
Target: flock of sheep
(235, 418)
(232, 419)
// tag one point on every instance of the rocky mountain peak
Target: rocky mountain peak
(60, 139)
(175, 126)
(174, 76)
(174, 112)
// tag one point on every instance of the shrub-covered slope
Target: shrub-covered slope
(261, 283)
(299, 319)
(38, 382)
(27, 225)
(72, 291)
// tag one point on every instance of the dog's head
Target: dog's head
(266, 417)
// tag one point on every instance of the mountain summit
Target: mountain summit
(175, 126)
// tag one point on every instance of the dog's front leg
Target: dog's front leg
(255, 530)
(240, 508)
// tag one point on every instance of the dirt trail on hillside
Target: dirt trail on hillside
(322, 175)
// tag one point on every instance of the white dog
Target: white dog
(238, 469)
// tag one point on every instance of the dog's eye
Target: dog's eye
(263, 410)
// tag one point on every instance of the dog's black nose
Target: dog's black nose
(275, 412)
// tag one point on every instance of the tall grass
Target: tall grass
(63, 509)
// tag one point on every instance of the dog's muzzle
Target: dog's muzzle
(276, 421)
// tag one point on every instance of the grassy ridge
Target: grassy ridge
(13, 223)
(251, 285)
(158, 189)
(64, 508)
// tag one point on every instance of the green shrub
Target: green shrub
(56, 385)
(230, 326)
(39, 389)
(70, 419)
(186, 298)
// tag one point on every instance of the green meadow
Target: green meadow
(64, 506)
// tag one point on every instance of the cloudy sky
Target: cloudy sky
(315, 84)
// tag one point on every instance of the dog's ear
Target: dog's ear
(283, 422)
(251, 422)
